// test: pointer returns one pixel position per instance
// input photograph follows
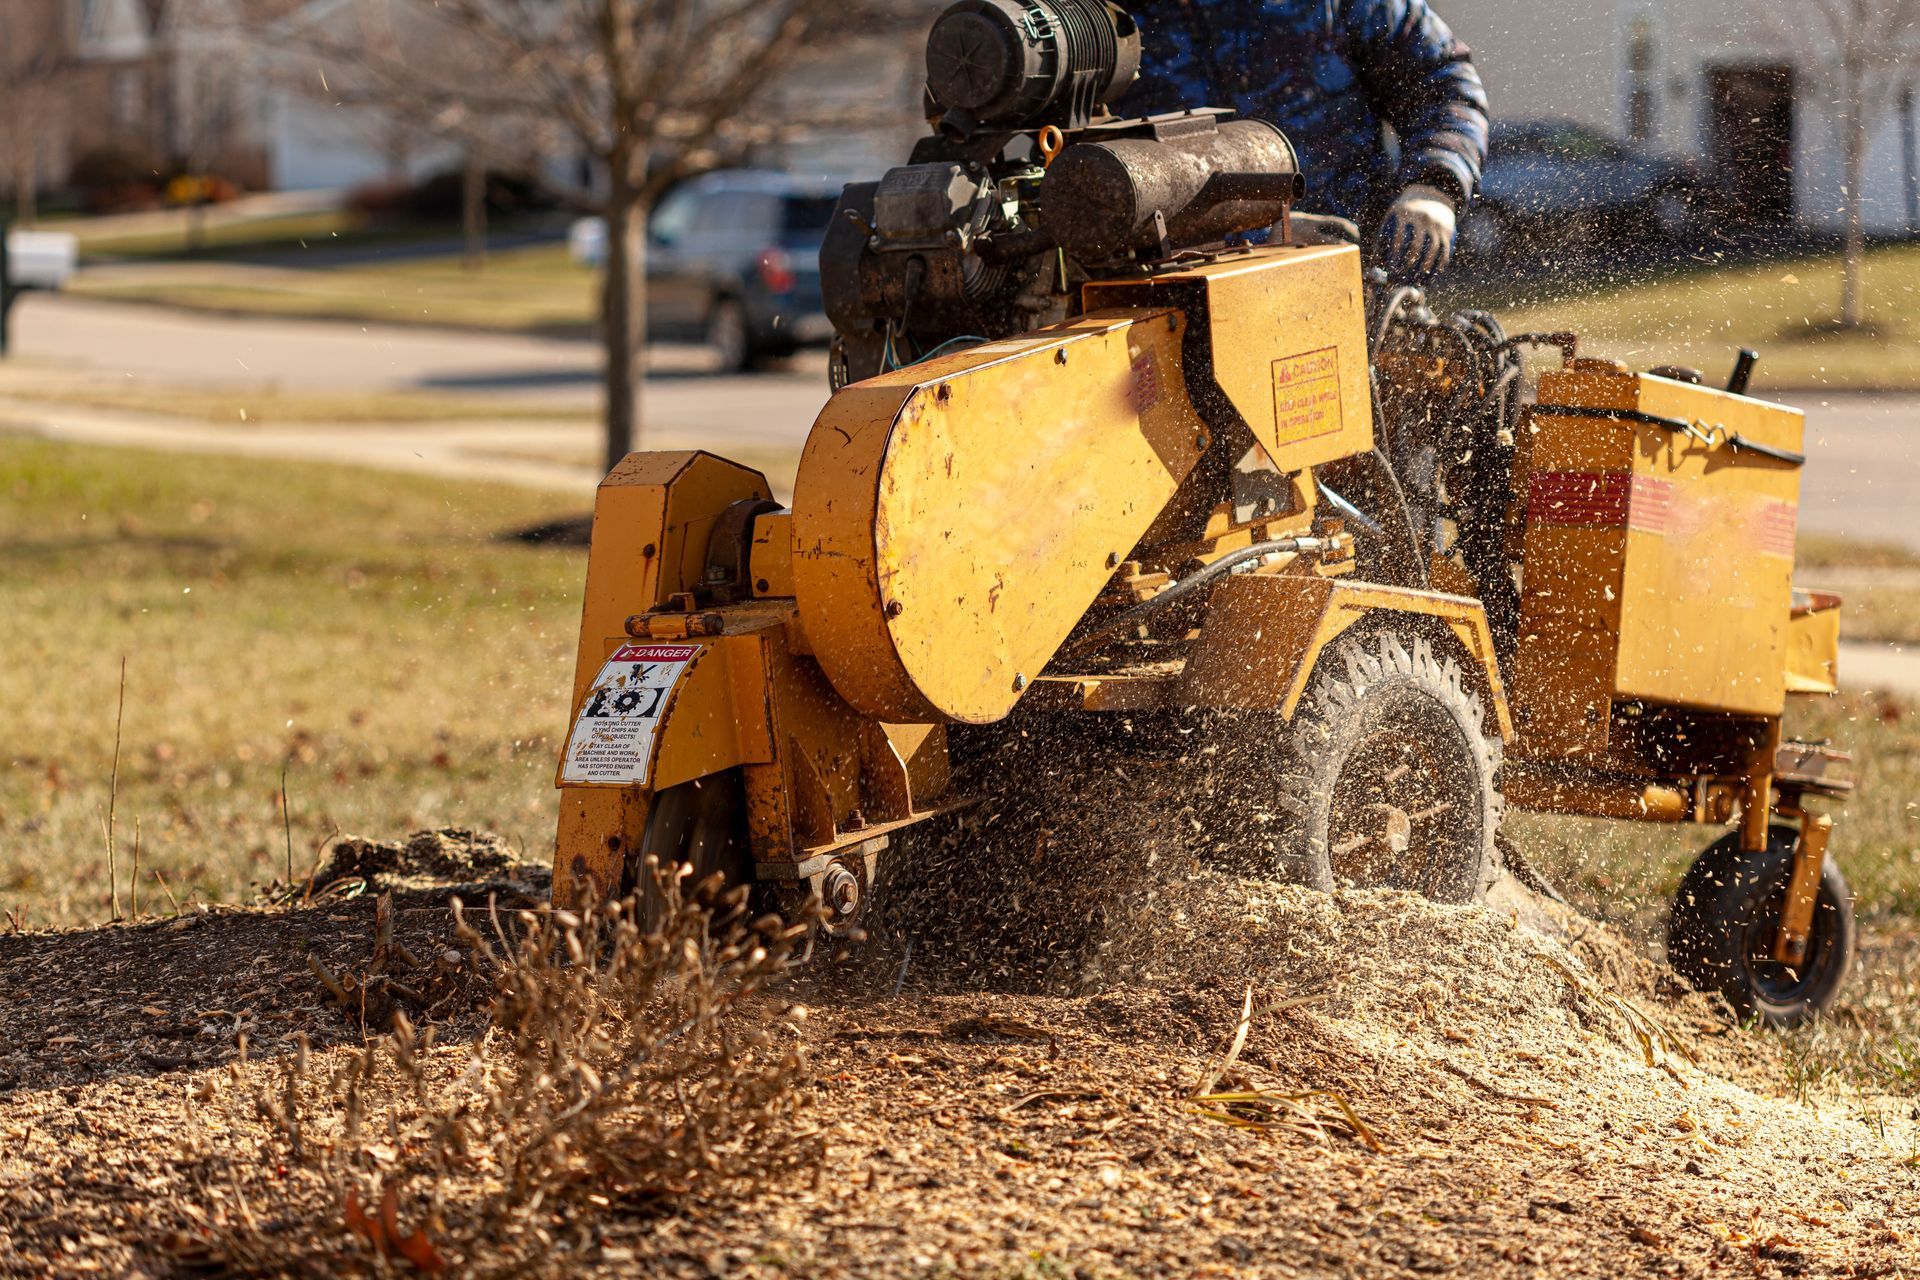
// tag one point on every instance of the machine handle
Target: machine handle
(1743, 371)
(1710, 437)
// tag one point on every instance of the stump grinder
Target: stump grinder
(1117, 432)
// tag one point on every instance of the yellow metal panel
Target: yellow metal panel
(1256, 648)
(1813, 646)
(1592, 795)
(953, 521)
(651, 518)
(1264, 634)
(597, 827)
(771, 560)
(924, 749)
(1663, 555)
(1288, 341)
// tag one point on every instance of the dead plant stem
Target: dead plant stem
(113, 793)
(286, 823)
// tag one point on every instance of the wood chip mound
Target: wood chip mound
(1179, 1069)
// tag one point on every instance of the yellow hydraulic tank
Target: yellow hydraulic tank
(1659, 551)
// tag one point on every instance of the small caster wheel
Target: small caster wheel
(1720, 935)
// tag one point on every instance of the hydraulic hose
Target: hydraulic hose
(1193, 582)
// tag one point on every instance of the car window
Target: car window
(737, 211)
(1581, 144)
(674, 217)
(807, 213)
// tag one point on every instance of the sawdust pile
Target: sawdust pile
(1394, 1088)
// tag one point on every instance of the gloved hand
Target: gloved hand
(1418, 232)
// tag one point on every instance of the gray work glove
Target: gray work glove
(1417, 236)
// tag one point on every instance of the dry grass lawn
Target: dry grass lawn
(1784, 308)
(366, 634)
(531, 288)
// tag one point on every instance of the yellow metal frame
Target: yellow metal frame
(953, 521)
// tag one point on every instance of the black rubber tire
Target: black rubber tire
(1374, 707)
(702, 824)
(730, 334)
(1720, 932)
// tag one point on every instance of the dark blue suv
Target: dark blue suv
(733, 259)
(1557, 182)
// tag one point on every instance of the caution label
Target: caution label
(612, 739)
(1306, 396)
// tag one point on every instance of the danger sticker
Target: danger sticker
(612, 740)
(1306, 396)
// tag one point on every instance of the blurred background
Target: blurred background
(306, 384)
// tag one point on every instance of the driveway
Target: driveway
(1863, 466)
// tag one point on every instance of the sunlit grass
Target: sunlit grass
(107, 237)
(1784, 308)
(276, 407)
(367, 632)
(527, 288)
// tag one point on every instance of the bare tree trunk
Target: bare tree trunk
(1852, 310)
(473, 210)
(625, 308)
(26, 177)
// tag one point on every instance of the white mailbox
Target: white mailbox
(41, 259)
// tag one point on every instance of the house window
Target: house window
(126, 97)
(1642, 104)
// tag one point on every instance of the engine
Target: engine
(1028, 187)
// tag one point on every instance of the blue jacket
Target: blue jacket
(1331, 73)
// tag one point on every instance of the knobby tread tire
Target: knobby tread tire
(1364, 689)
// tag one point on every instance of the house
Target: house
(76, 76)
(1722, 82)
(140, 87)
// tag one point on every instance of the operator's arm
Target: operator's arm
(1422, 81)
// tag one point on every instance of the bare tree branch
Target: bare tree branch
(654, 90)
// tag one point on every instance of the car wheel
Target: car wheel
(1671, 214)
(729, 336)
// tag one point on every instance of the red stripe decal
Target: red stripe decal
(1581, 499)
(1651, 506)
(1600, 500)
(1776, 527)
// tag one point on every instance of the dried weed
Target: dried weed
(621, 1064)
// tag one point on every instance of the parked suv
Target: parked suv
(733, 260)
(1560, 181)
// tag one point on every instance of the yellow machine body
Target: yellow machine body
(952, 523)
(1282, 333)
(956, 523)
(1658, 562)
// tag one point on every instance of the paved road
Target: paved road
(1863, 466)
(155, 344)
(1862, 479)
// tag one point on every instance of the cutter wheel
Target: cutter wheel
(1723, 934)
(1389, 777)
(700, 826)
